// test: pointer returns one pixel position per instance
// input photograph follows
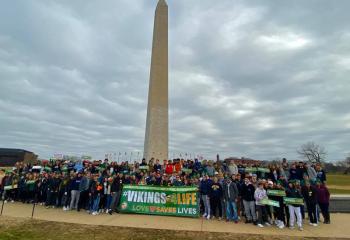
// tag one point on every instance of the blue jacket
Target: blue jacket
(75, 183)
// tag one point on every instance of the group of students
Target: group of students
(235, 197)
(226, 189)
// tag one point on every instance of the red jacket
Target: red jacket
(322, 194)
(169, 169)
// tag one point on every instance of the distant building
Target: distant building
(9, 156)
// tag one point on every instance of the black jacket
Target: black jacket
(248, 192)
(309, 194)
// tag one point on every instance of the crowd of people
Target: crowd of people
(232, 190)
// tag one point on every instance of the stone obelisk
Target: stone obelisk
(156, 137)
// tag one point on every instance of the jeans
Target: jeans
(292, 212)
(95, 204)
(231, 211)
(206, 203)
(108, 201)
(115, 200)
(75, 195)
(249, 208)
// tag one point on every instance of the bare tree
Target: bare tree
(347, 164)
(312, 152)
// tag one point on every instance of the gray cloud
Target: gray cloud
(250, 78)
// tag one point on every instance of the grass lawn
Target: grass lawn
(338, 183)
(16, 229)
(338, 179)
(339, 191)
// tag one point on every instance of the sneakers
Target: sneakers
(94, 213)
(301, 228)
(291, 227)
(208, 217)
(281, 226)
(267, 224)
(204, 215)
(315, 224)
(64, 209)
(260, 225)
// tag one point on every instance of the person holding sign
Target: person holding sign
(294, 208)
(260, 195)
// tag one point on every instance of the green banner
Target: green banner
(9, 187)
(145, 167)
(170, 201)
(250, 169)
(270, 202)
(264, 170)
(293, 201)
(186, 170)
(280, 193)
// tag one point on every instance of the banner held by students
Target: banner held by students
(170, 201)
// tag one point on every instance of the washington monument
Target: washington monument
(156, 137)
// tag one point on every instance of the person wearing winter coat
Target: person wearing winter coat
(95, 193)
(215, 194)
(310, 197)
(230, 196)
(204, 188)
(248, 201)
(323, 197)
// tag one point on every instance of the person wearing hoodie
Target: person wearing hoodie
(215, 194)
(310, 197)
(116, 188)
(321, 174)
(259, 195)
(323, 197)
(232, 168)
(95, 193)
(311, 172)
(294, 209)
(248, 201)
(204, 188)
(75, 193)
(230, 196)
(279, 215)
(84, 191)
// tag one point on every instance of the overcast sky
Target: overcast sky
(246, 78)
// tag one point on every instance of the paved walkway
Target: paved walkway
(339, 228)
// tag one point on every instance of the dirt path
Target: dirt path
(338, 229)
